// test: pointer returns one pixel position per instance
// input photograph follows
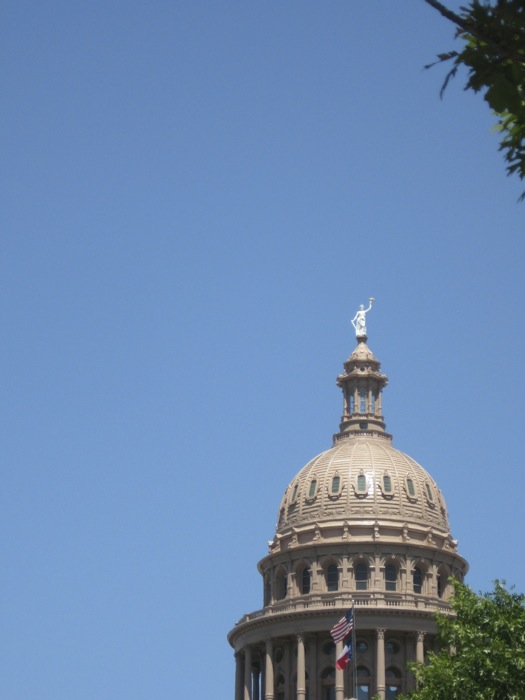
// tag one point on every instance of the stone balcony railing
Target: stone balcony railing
(378, 601)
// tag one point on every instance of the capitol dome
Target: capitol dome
(363, 478)
(364, 527)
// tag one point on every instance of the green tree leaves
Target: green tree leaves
(482, 653)
(493, 53)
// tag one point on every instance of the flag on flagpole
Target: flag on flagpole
(345, 625)
(345, 656)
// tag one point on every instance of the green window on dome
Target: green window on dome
(313, 488)
(429, 492)
(294, 493)
(387, 484)
(336, 483)
(361, 483)
(411, 489)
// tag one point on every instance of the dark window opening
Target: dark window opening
(332, 578)
(361, 576)
(305, 580)
(417, 580)
(390, 577)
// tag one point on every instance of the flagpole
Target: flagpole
(354, 651)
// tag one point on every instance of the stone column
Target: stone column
(380, 663)
(312, 667)
(247, 673)
(420, 647)
(378, 583)
(301, 669)
(339, 675)
(292, 583)
(345, 583)
(269, 682)
(239, 675)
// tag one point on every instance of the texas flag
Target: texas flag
(345, 656)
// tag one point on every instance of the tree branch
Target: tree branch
(452, 16)
(474, 31)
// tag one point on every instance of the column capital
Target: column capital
(380, 633)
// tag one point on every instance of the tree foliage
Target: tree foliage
(482, 649)
(493, 35)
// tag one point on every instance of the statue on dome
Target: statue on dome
(359, 320)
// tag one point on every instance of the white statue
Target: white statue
(359, 321)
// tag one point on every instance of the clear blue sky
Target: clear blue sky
(196, 196)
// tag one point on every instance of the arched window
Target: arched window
(361, 486)
(361, 576)
(267, 589)
(417, 579)
(393, 683)
(336, 485)
(306, 580)
(281, 585)
(313, 488)
(294, 494)
(387, 485)
(332, 577)
(390, 577)
(328, 684)
(363, 683)
(411, 489)
(442, 580)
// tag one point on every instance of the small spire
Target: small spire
(362, 383)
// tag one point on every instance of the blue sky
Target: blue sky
(196, 197)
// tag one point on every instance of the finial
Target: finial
(359, 321)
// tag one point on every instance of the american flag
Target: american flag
(343, 627)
